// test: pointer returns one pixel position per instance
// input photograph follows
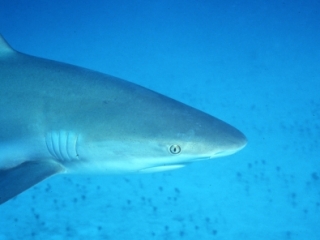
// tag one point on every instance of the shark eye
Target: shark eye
(175, 149)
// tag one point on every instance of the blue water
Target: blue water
(254, 64)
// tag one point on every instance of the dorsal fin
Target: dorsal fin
(4, 46)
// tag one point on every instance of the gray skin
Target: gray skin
(56, 117)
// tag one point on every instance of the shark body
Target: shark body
(59, 118)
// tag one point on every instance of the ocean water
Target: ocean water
(253, 64)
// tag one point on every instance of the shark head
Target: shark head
(154, 133)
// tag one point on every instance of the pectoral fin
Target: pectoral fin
(17, 179)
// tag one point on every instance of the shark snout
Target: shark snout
(240, 141)
(234, 141)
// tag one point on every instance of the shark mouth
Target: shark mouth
(168, 167)
(161, 168)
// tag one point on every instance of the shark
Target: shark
(59, 118)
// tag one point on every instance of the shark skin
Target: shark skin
(59, 118)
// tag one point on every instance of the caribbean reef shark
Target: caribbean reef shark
(59, 118)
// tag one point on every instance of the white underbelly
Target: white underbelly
(15, 152)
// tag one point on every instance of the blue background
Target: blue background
(254, 64)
